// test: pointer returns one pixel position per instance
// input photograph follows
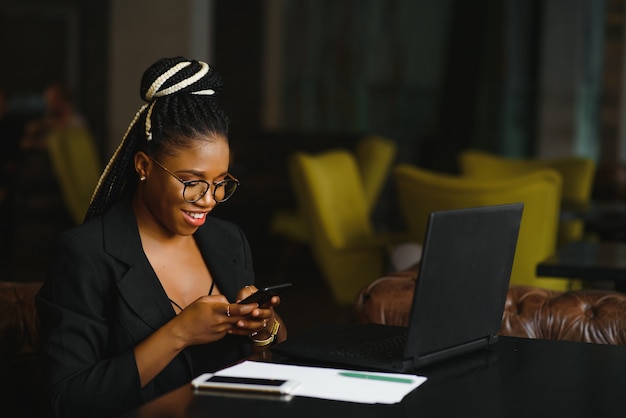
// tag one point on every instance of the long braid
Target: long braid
(181, 105)
(108, 184)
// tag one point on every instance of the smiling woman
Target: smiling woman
(143, 295)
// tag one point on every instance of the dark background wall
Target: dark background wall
(43, 42)
(437, 77)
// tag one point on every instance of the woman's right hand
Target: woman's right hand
(209, 319)
(206, 320)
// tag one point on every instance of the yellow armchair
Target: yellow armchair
(344, 244)
(77, 167)
(421, 192)
(577, 174)
(374, 157)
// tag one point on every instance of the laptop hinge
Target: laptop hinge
(457, 350)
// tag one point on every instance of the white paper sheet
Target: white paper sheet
(327, 383)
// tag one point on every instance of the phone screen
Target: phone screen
(266, 294)
(246, 381)
(208, 382)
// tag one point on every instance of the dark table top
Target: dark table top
(588, 260)
(592, 210)
(606, 219)
(516, 378)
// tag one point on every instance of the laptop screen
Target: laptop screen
(464, 276)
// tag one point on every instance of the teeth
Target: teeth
(196, 215)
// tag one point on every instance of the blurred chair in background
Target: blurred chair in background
(52, 184)
(374, 156)
(421, 192)
(63, 136)
(77, 167)
(577, 174)
(345, 246)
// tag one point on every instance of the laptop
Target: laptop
(457, 305)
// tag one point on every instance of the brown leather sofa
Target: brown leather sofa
(593, 316)
(21, 383)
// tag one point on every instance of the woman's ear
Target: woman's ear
(142, 164)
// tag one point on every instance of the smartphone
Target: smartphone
(265, 294)
(209, 381)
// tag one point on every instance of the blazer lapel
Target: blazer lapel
(138, 284)
(223, 257)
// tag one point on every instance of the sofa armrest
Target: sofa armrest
(19, 324)
(21, 373)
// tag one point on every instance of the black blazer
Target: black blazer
(102, 298)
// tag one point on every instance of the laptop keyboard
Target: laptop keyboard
(383, 349)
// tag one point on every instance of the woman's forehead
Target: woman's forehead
(198, 153)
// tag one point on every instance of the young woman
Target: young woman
(142, 296)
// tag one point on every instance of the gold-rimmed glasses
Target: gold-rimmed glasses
(195, 190)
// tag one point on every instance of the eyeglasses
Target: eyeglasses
(195, 190)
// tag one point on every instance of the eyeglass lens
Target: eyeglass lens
(195, 190)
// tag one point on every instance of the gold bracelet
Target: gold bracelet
(269, 340)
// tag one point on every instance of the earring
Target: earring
(142, 178)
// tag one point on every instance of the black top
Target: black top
(102, 298)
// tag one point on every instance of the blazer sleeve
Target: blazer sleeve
(83, 377)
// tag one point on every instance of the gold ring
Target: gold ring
(227, 310)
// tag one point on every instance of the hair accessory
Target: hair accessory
(207, 92)
(154, 93)
(149, 121)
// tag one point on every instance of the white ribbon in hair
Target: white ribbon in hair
(153, 92)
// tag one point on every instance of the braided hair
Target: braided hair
(181, 107)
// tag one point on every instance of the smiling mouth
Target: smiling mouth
(196, 215)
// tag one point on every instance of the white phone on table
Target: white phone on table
(210, 381)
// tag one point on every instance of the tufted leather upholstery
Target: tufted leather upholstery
(594, 316)
(21, 384)
(387, 300)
